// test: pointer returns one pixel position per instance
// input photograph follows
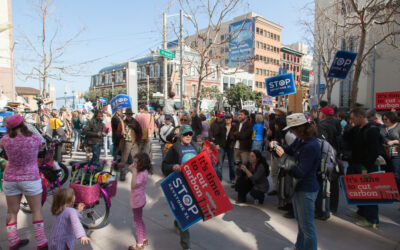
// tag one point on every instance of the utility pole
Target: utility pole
(373, 78)
(148, 83)
(181, 53)
(165, 65)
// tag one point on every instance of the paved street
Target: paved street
(247, 226)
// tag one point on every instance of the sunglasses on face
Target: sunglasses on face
(188, 134)
(184, 120)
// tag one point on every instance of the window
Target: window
(264, 72)
(157, 70)
(244, 81)
(284, 56)
(278, 37)
(232, 80)
(151, 71)
(265, 46)
(268, 34)
(222, 38)
(193, 90)
(250, 83)
(222, 50)
(257, 30)
(226, 49)
(143, 72)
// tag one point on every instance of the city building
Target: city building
(6, 51)
(255, 47)
(380, 71)
(232, 76)
(28, 94)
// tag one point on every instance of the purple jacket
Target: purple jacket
(66, 229)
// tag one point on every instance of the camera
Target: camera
(238, 163)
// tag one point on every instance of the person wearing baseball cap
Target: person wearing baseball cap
(180, 152)
(302, 159)
(21, 177)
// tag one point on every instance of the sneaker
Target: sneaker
(323, 217)
(21, 244)
(365, 223)
(289, 215)
(356, 216)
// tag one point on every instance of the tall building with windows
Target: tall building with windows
(254, 46)
(381, 70)
(7, 86)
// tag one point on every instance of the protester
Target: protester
(98, 104)
(115, 121)
(140, 169)
(258, 133)
(205, 127)
(328, 127)
(130, 133)
(66, 226)
(146, 122)
(94, 133)
(182, 151)
(196, 122)
(77, 129)
(165, 130)
(391, 133)
(107, 142)
(218, 138)
(242, 137)
(280, 112)
(229, 147)
(303, 158)
(200, 141)
(169, 107)
(21, 177)
(365, 141)
(55, 129)
(253, 178)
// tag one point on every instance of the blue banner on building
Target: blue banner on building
(3, 116)
(104, 101)
(280, 85)
(341, 64)
(241, 44)
(180, 201)
(120, 102)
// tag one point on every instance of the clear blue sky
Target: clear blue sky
(117, 31)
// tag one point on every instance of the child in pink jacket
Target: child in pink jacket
(140, 168)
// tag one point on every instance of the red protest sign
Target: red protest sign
(388, 100)
(377, 188)
(205, 186)
(212, 152)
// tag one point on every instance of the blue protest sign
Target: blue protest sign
(120, 102)
(280, 85)
(3, 116)
(341, 64)
(180, 201)
(104, 101)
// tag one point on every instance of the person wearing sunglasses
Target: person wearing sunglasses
(181, 151)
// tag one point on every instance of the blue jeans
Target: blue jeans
(218, 166)
(303, 207)
(257, 145)
(395, 162)
(77, 136)
(369, 212)
(95, 161)
(107, 143)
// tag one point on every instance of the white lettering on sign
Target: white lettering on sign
(339, 61)
(281, 83)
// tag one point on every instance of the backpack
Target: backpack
(329, 162)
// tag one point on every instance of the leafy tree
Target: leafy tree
(142, 93)
(107, 93)
(212, 93)
(257, 98)
(237, 93)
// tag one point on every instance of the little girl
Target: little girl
(140, 168)
(66, 227)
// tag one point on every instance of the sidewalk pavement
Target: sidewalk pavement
(247, 226)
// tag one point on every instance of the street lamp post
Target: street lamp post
(148, 83)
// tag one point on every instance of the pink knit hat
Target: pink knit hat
(13, 121)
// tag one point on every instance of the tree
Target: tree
(107, 93)
(212, 93)
(48, 50)
(366, 24)
(142, 93)
(237, 93)
(257, 98)
(207, 41)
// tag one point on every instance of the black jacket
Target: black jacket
(196, 125)
(328, 130)
(244, 136)
(217, 133)
(366, 144)
(174, 156)
(114, 126)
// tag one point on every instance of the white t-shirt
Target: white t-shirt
(237, 144)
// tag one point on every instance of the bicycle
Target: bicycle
(52, 173)
(97, 198)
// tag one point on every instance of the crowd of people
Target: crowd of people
(278, 145)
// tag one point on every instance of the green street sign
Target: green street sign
(166, 54)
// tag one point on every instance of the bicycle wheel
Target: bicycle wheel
(63, 174)
(95, 216)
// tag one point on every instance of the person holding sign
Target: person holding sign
(302, 159)
(182, 151)
(366, 144)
